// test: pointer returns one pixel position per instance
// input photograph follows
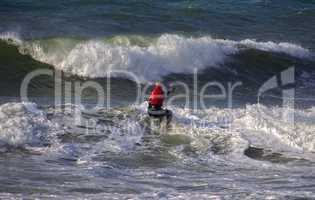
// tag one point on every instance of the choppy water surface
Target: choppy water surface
(70, 152)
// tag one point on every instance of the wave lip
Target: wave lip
(282, 47)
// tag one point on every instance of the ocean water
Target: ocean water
(258, 144)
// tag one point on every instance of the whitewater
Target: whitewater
(222, 141)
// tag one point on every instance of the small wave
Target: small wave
(148, 58)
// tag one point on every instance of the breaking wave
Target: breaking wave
(148, 58)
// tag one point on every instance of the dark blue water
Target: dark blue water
(276, 20)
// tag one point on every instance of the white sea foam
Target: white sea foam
(265, 127)
(24, 124)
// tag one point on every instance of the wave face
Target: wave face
(148, 58)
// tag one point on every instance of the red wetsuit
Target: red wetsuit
(157, 96)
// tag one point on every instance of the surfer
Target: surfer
(155, 107)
